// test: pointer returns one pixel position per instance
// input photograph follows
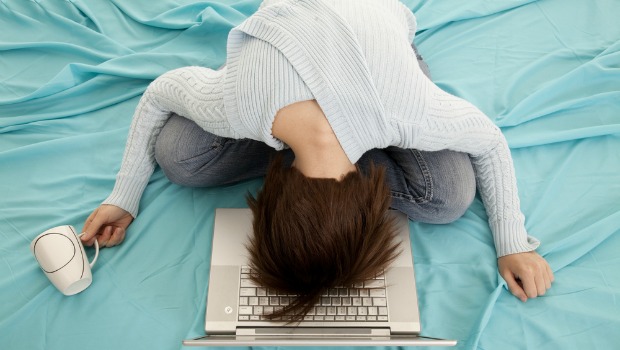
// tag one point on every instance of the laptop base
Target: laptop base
(316, 340)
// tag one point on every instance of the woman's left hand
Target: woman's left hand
(528, 274)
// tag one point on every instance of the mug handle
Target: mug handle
(96, 250)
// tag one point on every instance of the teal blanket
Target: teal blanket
(71, 73)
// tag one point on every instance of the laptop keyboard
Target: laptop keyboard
(362, 302)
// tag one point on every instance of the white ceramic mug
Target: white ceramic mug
(60, 254)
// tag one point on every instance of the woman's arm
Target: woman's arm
(455, 124)
(192, 92)
(195, 93)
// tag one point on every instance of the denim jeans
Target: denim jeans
(431, 187)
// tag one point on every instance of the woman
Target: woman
(336, 85)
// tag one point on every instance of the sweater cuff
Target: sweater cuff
(511, 237)
(126, 194)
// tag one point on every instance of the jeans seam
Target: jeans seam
(216, 148)
(428, 182)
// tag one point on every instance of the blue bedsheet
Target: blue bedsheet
(71, 73)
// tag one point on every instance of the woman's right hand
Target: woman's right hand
(107, 224)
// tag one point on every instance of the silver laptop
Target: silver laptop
(380, 311)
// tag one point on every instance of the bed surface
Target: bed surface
(71, 73)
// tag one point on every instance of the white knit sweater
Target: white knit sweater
(354, 58)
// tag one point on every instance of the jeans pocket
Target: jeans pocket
(418, 179)
(195, 160)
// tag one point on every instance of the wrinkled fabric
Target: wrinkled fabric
(71, 74)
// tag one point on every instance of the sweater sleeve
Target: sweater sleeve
(192, 92)
(455, 124)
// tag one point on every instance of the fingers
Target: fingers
(105, 235)
(106, 225)
(109, 236)
(549, 273)
(529, 285)
(533, 284)
(541, 283)
(91, 228)
(118, 235)
(547, 276)
(112, 236)
(515, 288)
(527, 275)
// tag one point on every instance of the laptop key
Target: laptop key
(245, 310)
(374, 284)
(247, 292)
(379, 302)
(244, 318)
(247, 283)
(377, 293)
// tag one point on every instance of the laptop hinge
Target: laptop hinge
(309, 331)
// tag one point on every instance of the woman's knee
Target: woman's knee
(454, 187)
(178, 152)
(443, 188)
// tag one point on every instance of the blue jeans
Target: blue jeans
(432, 187)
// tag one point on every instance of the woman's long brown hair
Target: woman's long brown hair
(313, 234)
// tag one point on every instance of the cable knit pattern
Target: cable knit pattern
(194, 92)
(354, 58)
